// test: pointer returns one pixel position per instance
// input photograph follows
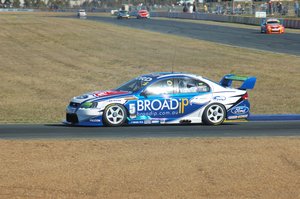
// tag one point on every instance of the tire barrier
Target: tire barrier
(288, 23)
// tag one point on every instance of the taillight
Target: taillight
(245, 96)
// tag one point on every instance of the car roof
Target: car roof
(273, 19)
(160, 75)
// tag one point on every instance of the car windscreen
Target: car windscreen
(134, 85)
(272, 22)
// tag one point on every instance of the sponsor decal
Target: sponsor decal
(95, 120)
(219, 98)
(170, 83)
(240, 110)
(237, 117)
(130, 98)
(164, 105)
(115, 100)
(200, 100)
(137, 122)
(155, 122)
(108, 93)
(147, 122)
(145, 79)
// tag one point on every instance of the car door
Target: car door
(193, 95)
(172, 98)
(157, 101)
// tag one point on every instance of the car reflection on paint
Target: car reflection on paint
(163, 98)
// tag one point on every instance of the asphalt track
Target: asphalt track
(241, 37)
(240, 129)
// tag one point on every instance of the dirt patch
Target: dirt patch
(151, 168)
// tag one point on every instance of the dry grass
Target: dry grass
(46, 60)
(151, 168)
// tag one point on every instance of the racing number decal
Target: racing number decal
(132, 109)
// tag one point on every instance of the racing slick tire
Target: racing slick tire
(214, 114)
(114, 115)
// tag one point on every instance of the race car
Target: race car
(163, 98)
(143, 14)
(123, 14)
(270, 26)
(81, 13)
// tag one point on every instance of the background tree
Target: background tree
(39, 4)
(27, 3)
(7, 3)
(95, 4)
(16, 3)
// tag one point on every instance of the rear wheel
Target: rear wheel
(214, 114)
(114, 115)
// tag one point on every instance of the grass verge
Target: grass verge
(46, 60)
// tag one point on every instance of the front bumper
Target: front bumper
(275, 31)
(83, 117)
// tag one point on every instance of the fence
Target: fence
(277, 9)
(289, 23)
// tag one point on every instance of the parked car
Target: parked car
(163, 98)
(271, 26)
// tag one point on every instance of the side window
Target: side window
(162, 87)
(188, 85)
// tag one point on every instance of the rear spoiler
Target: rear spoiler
(248, 82)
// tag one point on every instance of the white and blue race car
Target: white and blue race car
(163, 98)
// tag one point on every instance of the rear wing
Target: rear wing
(248, 82)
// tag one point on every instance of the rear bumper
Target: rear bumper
(239, 111)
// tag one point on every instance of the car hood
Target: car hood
(274, 25)
(100, 95)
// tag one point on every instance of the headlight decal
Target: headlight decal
(89, 105)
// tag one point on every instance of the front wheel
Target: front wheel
(214, 114)
(114, 115)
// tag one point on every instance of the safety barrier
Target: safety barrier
(15, 10)
(288, 23)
